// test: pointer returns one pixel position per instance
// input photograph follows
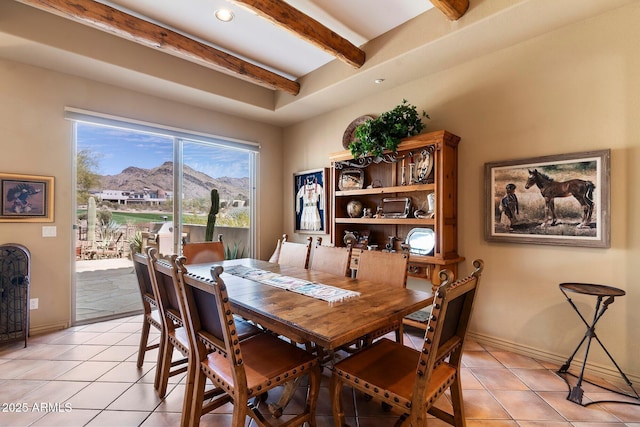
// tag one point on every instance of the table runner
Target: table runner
(293, 284)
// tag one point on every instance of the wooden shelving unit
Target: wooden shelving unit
(386, 172)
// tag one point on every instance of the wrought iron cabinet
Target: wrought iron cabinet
(15, 274)
(383, 180)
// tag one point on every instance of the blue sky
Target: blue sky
(118, 149)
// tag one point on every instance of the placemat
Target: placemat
(300, 286)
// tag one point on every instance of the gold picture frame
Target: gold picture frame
(26, 198)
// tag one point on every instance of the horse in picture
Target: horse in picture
(580, 189)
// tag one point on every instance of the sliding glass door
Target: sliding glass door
(132, 182)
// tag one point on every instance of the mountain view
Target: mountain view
(196, 185)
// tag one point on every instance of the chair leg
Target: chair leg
(335, 389)
(144, 337)
(457, 402)
(315, 377)
(164, 366)
(200, 382)
(159, 363)
(189, 401)
(241, 410)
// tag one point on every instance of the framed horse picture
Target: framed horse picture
(550, 200)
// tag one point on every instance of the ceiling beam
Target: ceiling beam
(129, 27)
(307, 28)
(453, 9)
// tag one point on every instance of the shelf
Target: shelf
(426, 259)
(386, 221)
(387, 190)
(442, 189)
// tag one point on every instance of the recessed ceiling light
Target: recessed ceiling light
(378, 81)
(224, 15)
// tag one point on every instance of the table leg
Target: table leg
(576, 392)
(287, 394)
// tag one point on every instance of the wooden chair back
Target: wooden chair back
(330, 259)
(276, 252)
(294, 254)
(201, 252)
(149, 304)
(161, 272)
(389, 268)
(447, 328)
(174, 335)
(141, 268)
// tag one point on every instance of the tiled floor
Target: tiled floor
(87, 375)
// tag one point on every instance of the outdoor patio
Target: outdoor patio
(106, 288)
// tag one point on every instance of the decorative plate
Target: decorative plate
(350, 131)
(421, 241)
(424, 166)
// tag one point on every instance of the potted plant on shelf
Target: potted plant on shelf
(375, 136)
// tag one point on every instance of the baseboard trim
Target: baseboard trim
(608, 373)
(48, 328)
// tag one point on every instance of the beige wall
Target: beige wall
(37, 140)
(572, 90)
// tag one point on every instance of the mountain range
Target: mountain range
(196, 185)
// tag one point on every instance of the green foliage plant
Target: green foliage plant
(375, 136)
(135, 242)
(233, 252)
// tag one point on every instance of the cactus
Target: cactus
(91, 221)
(211, 219)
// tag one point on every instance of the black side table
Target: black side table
(599, 291)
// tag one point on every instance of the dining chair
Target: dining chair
(151, 316)
(408, 380)
(330, 259)
(164, 281)
(275, 256)
(294, 254)
(201, 252)
(173, 335)
(240, 370)
(388, 268)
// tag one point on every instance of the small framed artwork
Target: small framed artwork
(311, 201)
(26, 198)
(550, 200)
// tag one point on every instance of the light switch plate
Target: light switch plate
(49, 231)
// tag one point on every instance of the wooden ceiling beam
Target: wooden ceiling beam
(453, 9)
(121, 24)
(307, 28)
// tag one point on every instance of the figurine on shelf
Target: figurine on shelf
(390, 247)
(412, 167)
(403, 182)
(354, 209)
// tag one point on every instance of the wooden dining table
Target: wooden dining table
(306, 319)
(303, 318)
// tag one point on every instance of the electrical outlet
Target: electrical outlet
(33, 303)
